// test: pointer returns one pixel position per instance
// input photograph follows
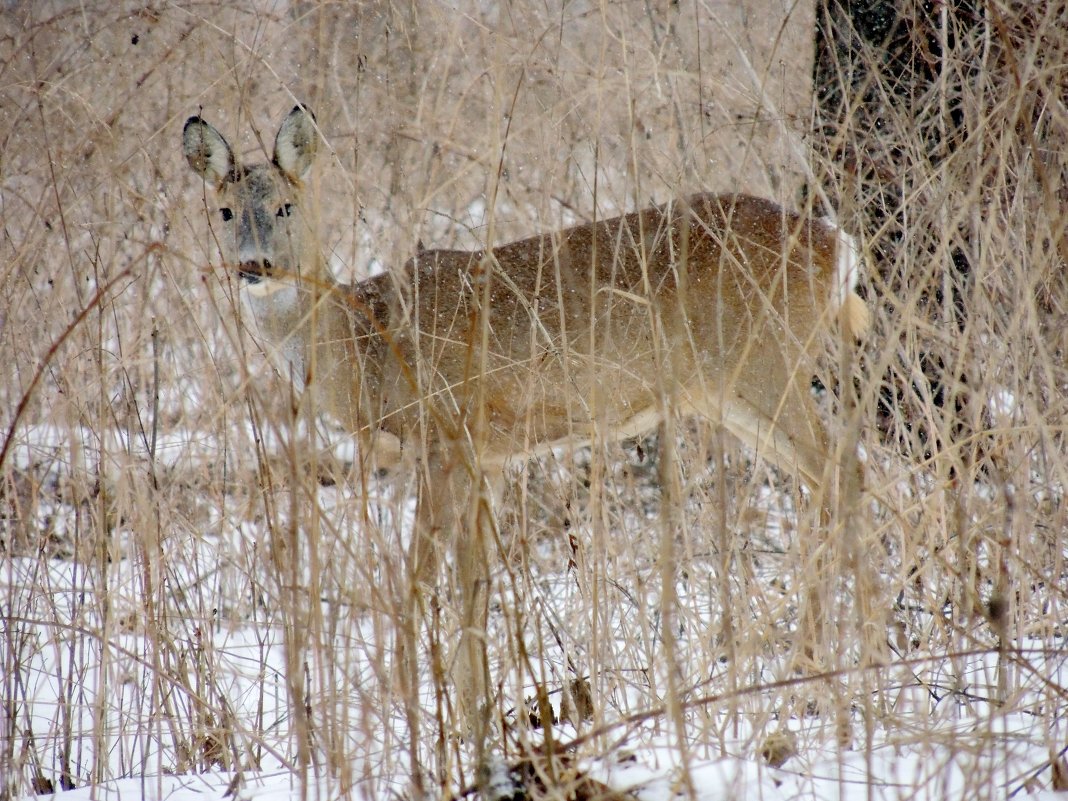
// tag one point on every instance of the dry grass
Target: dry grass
(160, 525)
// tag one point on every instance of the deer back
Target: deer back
(597, 325)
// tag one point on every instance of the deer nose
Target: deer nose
(254, 271)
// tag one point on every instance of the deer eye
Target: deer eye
(286, 210)
(227, 214)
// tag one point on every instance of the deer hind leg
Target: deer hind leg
(783, 423)
(772, 410)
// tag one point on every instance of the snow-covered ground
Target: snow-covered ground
(91, 673)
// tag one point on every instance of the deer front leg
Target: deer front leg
(471, 666)
(473, 543)
(423, 560)
(453, 514)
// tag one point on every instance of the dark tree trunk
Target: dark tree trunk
(890, 76)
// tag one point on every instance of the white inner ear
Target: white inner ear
(287, 156)
(296, 143)
(218, 153)
(207, 152)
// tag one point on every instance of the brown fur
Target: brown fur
(711, 305)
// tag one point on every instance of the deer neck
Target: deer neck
(290, 315)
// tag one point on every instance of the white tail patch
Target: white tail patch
(853, 312)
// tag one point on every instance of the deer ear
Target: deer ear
(296, 144)
(207, 152)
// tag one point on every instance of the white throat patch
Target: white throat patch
(266, 287)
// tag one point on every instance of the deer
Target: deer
(713, 305)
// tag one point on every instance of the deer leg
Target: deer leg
(423, 560)
(785, 426)
(474, 555)
(471, 666)
(453, 513)
(836, 477)
(782, 424)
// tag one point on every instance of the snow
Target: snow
(883, 775)
(941, 726)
